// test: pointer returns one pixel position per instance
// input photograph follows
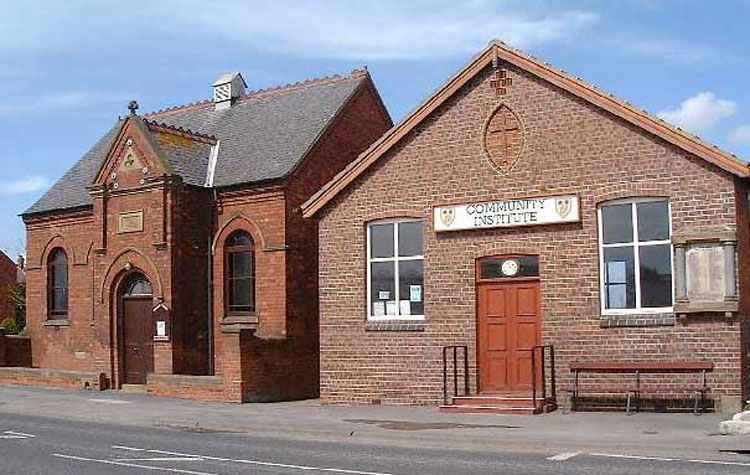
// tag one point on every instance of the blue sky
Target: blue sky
(69, 68)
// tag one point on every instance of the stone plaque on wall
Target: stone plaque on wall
(705, 272)
(130, 222)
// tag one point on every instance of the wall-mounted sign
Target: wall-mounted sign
(130, 222)
(507, 213)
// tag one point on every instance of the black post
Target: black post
(544, 376)
(455, 371)
(552, 369)
(445, 376)
(533, 378)
(466, 370)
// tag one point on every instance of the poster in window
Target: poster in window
(390, 307)
(415, 293)
(384, 295)
(378, 309)
(405, 307)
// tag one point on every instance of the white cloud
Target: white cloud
(700, 113)
(740, 135)
(384, 29)
(58, 101)
(23, 185)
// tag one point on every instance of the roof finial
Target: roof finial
(133, 106)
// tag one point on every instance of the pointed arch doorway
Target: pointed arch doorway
(135, 306)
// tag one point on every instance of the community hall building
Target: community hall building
(520, 212)
(173, 257)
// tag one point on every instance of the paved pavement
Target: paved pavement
(54, 431)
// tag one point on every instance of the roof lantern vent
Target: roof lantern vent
(227, 88)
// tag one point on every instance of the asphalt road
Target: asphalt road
(36, 445)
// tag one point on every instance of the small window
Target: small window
(636, 256)
(137, 286)
(240, 273)
(395, 286)
(57, 285)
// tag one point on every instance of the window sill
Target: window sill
(725, 306)
(235, 323)
(57, 322)
(663, 319)
(395, 326)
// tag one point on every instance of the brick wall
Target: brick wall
(15, 351)
(8, 276)
(570, 147)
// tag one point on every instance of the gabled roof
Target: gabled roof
(574, 85)
(264, 135)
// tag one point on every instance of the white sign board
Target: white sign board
(507, 213)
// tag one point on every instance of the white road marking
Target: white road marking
(666, 459)
(125, 447)
(563, 456)
(261, 463)
(162, 459)
(110, 401)
(132, 465)
(9, 434)
(20, 433)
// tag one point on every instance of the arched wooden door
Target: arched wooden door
(136, 322)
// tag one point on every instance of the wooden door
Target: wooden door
(508, 328)
(138, 349)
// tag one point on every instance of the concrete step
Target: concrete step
(513, 401)
(133, 388)
(479, 409)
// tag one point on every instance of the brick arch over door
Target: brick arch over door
(140, 262)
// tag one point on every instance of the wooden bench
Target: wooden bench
(637, 368)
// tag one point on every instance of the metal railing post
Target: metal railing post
(466, 370)
(552, 369)
(445, 376)
(533, 377)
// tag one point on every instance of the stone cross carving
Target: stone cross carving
(506, 131)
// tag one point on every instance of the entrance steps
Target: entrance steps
(133, 388)
(510, 403)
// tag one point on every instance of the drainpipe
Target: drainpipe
(210, 283)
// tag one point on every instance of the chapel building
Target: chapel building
(519, 213)
(173, 256)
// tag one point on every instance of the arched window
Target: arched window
(240, 273)
(57, 284)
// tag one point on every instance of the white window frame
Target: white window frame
(396, 259)
(636, 244)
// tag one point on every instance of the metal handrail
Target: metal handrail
(543, 350)
(455, 349)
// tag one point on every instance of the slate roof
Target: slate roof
(189, 156)
(263, 136)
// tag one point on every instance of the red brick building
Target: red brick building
(173, 255)
(9, 275)
(519, 207)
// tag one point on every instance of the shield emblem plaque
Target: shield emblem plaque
(447, 215)
(503, 138)
(563, 206)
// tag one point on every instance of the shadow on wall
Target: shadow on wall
(15, 351)
(279, 369)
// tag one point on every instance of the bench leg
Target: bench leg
(572, 400)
